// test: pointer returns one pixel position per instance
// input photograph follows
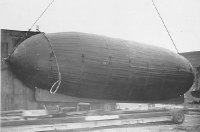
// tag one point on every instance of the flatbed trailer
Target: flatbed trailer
(90, 119)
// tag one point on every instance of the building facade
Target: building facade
(14, 94)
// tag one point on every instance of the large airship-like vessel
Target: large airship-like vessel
(98, 67)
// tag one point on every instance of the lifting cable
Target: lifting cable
(164, 25)
(58, 82)
(41, 15)
(7, 58)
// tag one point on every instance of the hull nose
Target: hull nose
(30, 62)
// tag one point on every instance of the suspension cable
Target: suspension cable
(41, 15)
(26, 34)
(164, 25)
(58, 82)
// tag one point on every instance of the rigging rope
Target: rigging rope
(58, 82)
(164, 25)
(41, 14)
(14, 48)
(58, 68)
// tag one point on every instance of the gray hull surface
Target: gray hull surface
(99, 67)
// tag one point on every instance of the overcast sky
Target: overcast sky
(134, 20)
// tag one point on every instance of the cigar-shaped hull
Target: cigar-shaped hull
(99, 67)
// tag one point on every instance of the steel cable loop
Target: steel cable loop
(58, 82)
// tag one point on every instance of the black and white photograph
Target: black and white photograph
(100, 66)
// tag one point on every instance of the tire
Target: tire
(178, 116)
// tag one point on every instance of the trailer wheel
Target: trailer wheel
(178, 116)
